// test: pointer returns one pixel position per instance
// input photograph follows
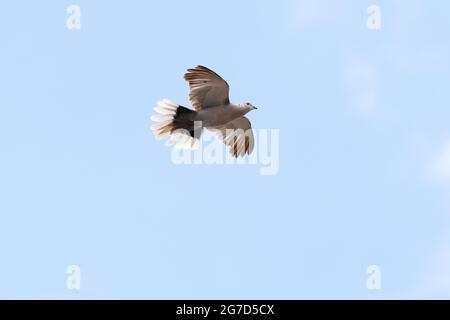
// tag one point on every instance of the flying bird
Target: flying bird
(209, 96)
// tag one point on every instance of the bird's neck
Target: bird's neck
(241, 110)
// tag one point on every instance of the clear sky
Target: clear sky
(364, 161)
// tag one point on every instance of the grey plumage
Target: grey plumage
(209, 95)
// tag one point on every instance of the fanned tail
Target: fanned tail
(177, 122)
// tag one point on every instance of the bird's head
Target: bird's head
(248, 106)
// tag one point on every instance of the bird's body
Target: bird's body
(212, 110)
(219, 116)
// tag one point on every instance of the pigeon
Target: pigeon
(209, 96)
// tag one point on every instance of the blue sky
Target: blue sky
(364, 171)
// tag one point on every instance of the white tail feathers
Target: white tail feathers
(167, 113)
(183, 141)
(166, 107)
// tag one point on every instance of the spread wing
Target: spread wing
(238, 135)
(206, 88)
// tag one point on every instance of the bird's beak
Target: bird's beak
(255, 108)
